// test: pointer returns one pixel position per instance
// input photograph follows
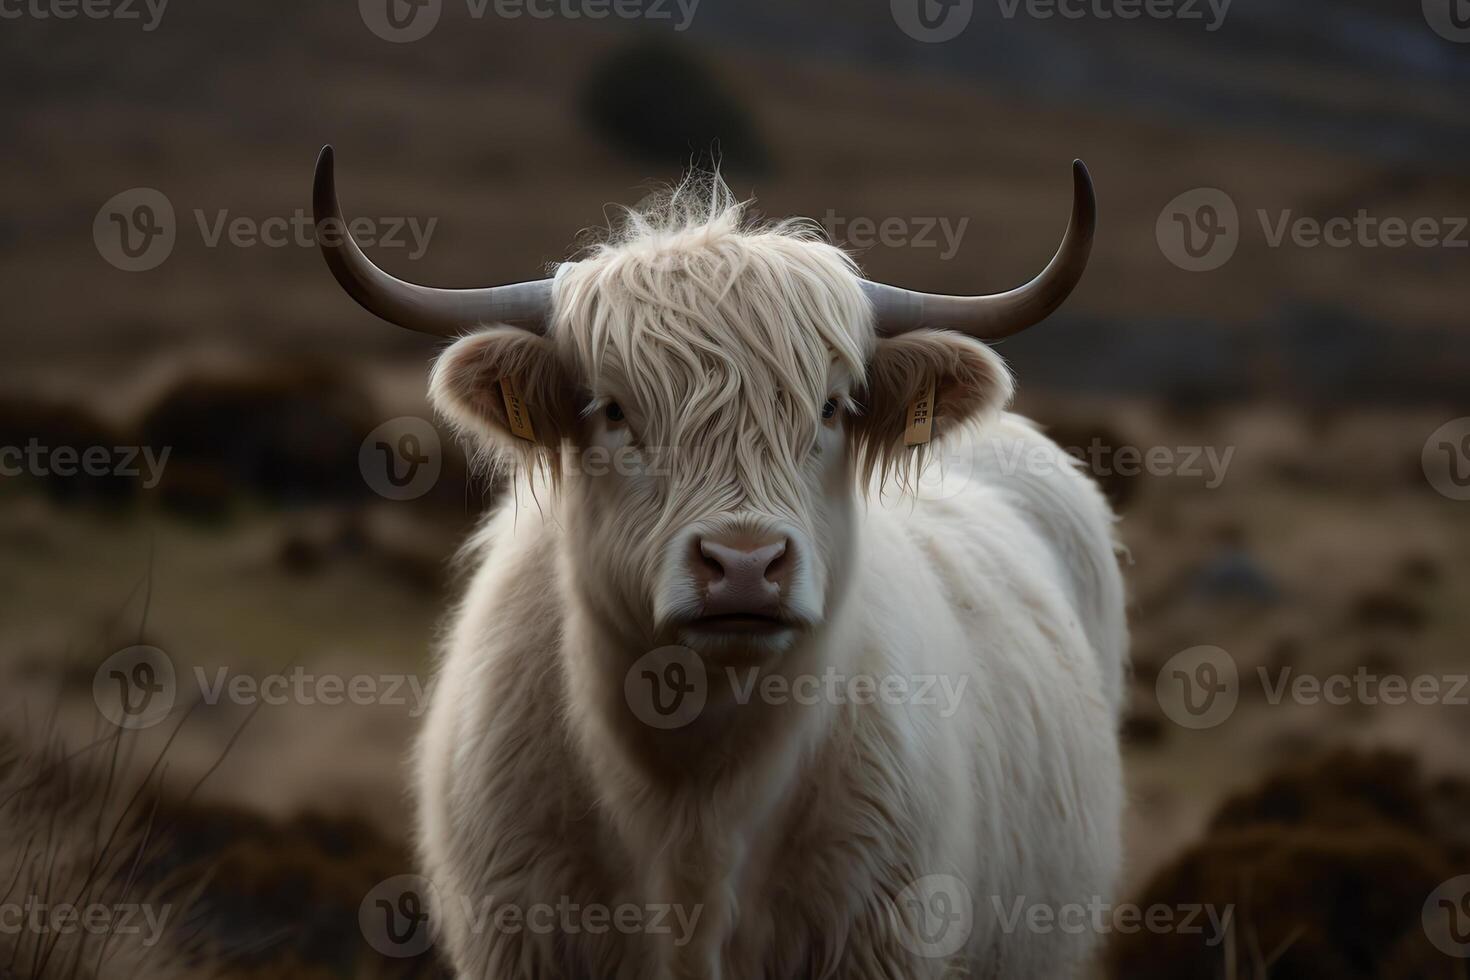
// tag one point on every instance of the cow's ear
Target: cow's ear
(506, 387)
(969, 382)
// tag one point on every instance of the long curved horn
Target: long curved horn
(1001, 314)
(443, 312)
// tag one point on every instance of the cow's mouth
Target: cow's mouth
(745, 622)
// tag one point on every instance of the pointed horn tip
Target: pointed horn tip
(1082, 177)
(325, 164)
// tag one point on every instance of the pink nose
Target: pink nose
(741, 572)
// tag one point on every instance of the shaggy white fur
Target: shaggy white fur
(873, 793)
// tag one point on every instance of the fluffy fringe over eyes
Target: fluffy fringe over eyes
(724, 336)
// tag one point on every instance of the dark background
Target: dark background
(1323, 547)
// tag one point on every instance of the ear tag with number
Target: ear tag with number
(921, 417)
(516, 411)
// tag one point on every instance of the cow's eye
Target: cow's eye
(829, 410)
(613, 412)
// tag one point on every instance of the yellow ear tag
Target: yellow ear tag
(516, 411)
(921, 417)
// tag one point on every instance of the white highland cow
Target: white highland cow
(735, 695)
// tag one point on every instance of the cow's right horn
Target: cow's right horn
(443, 312)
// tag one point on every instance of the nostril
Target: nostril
(780, 564)
(705, 563)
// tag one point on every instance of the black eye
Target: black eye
(829, 410)
(614, 412)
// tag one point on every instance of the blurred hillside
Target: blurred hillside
(1320, 110)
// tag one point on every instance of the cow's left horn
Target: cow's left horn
(444, 312)
(1001, 314)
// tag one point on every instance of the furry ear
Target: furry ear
(970, 382)
(469, 388)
